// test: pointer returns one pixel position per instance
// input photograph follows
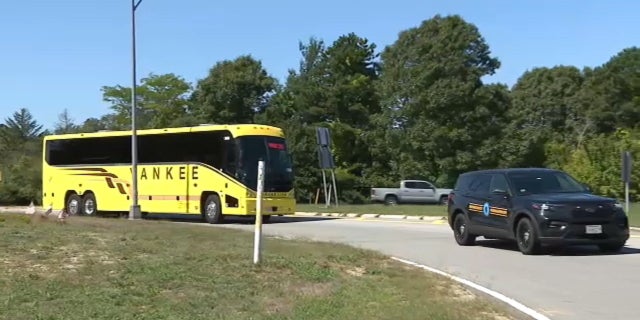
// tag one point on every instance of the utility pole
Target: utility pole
(134, 211)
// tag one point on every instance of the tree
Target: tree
(20, 129)
(294, 109)
(437, 116)
(234, 91)
(162, 100)
(334, 87)
(597, 162)
(614, 92)
(65, 123)
(20, 163)
(545, 106)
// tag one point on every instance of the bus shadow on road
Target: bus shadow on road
(586, 250)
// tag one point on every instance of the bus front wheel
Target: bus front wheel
(212, 210)
(74, 205)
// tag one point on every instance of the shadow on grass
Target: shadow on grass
(235, 220)
(581, 250)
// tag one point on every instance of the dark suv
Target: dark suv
(534, 207)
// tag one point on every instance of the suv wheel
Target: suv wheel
(461, 231)
(527, 237)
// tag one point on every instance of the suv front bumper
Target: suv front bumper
(563, 233)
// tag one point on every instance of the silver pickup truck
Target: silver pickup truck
(410, 191)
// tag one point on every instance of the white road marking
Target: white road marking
(517, 305)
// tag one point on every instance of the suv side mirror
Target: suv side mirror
(586, 187)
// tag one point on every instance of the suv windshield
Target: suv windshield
(278, 166)
(538, 182)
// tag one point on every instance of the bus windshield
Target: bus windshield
(278, 165)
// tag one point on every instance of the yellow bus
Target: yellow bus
(207, 170)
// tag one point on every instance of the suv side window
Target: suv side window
(463, 182)
(481, 184)
(499, 182)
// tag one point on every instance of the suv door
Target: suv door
(499, 201)
(477, 195)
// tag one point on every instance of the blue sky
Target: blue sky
(58, 54)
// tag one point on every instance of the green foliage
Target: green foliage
(597, 162)
(439, 116)
(161, 99)
(65, 124)
(234, 91)
(615, 87)
(22, 180)
(20, 164)
(417, 109)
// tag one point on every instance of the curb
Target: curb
(371, 216)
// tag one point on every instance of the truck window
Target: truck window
(423, 185)
(410, 185)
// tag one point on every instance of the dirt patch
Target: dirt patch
(11, 267)
(455, 292)
(461, 293)
(49, 261)
(277, 306)
(496, 316)
(356, 271)
(314, 289)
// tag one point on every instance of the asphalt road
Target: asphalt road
(576, 283)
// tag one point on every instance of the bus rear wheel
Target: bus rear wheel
(89, 204)
(212, 210)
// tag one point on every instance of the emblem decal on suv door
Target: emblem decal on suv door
(486, 209)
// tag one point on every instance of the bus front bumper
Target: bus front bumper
(272, 206)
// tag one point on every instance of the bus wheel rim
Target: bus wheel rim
(73, 206)
(89, 206)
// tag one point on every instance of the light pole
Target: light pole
(134, 211)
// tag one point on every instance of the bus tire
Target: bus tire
(212, 210)
(74, 205)
(89, 204)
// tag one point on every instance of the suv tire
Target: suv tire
(461, 231)
(527, 237)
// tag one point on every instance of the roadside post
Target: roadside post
(257, 240)
(626, 177)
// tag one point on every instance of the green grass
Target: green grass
(406, 209)
(98, 268)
